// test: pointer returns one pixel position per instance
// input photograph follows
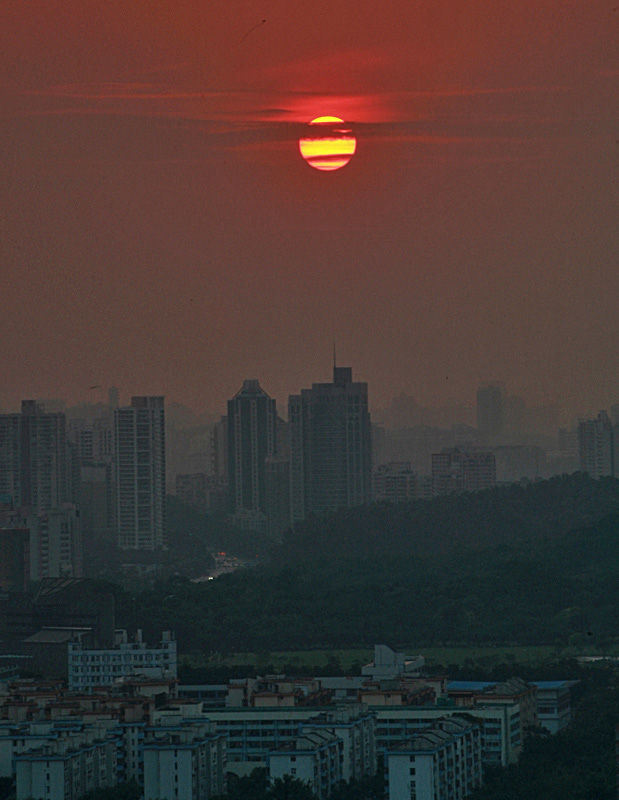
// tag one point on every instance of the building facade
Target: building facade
(89, 668)
(252, 436)
(330, 446)
(457, 470)
(33, 458)
(139, 444)
(440, 763)
(184, 763)
(598, 441)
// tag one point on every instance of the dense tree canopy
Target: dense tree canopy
(532, 565)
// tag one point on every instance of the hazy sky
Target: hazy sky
(160, 231)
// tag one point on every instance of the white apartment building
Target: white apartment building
(184, 762)
(314, 759)
(440, 763)
(65, 769)
(90, 668)
(500, 727)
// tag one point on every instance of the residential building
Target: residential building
(186, 762)
(330, 446)
(139, 444)
(252, 439)
(500, 727)
(65, 770)
(472, 693)
(396, 482)
(33, 458)
(462, 470)
(315, 758)
(598, 441)
(89, 668)
(443, 762)
(554, 704)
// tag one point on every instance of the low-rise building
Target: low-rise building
(472, 693)
(554, 704)
(89, 668)
(388, 664)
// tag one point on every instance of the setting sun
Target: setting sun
(332, 148)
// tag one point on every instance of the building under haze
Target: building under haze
(490, 422)
(252, 436)
(462, 470)
(33, 458)
(597, 442)
(330, 446)
(139, 445)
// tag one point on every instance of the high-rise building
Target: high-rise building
(252, 436)
(139, 446)
(219, 450)
(33, 458)
(460, 470)
(490, 420)
(92, 448)
(597, 442)
(277, 495)
(330, 446)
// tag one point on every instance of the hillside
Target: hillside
(548, 575)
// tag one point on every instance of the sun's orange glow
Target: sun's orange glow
(330, 150)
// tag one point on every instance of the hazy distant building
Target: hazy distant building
(219, 449)
(277, 495)
(458, 470)
(191, 490)
(33, 458)
(597, 442)
(490, 422)
(396, 482)
(519, 462)
(93, 439)
(14, 559)
(113, 397)
(252, 422)
(55, 544)
(330, 446)
(139, 436)
(94, 486)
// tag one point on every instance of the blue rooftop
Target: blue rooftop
(470, 686)
(551, 684)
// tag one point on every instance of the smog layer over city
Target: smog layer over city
(309, 419)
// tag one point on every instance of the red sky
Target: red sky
(160, 231)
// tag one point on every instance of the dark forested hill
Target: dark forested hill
(450, 524)
(533, 566)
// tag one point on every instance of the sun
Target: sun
(331, 148)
